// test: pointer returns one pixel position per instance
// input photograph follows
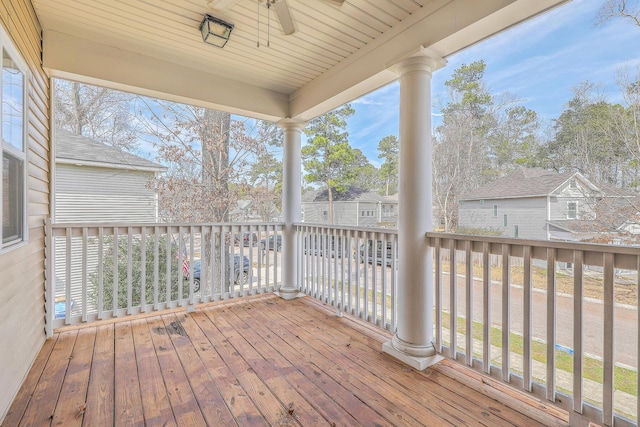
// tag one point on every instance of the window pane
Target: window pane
(12, 102)
(12, 203)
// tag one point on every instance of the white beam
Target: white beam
(444, 26)
(68, 57)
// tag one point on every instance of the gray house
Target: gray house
(541, 204)
(355, 207)
(523, 203)
(95, 182)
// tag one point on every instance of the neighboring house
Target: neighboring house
(546, 205)
(354, 207)
(95, 182)
(255, 211)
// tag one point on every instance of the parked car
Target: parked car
(323, 245)
(239, 276)
(271, 243)
(366, 252)
(247, 239)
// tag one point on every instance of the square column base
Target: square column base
(419, 363)
(289, 295)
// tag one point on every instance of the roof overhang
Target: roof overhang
(109, 58)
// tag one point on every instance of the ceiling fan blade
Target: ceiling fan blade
(283, 13)
(221, 4)
(336, 2)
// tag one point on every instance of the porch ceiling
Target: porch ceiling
(336, 54)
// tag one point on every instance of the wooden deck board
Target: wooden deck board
(479, 406)
(250, 362)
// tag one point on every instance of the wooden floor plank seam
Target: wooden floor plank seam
(252, 361)
(278, 356)
(390, 377)
(407, 394)
(324, 367)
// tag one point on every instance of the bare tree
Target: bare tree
(625, 9)
(95, 112)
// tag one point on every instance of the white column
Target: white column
(413, 340)
(291, 204)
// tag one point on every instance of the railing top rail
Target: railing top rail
(347, 228)
(121, 224)
(587, 247)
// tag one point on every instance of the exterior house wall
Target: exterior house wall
(528, 214)
(559, 202)
(91, 194)
(351, 213)
(94, 194)
(22, 268)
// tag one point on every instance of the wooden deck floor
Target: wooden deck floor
(252, 362)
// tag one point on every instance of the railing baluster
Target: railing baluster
(453, 299)
(156, 266)
(167, 281)
(143, 269)
(385, 271)
(608, 331)
(394, 281)
(469, 303)
(84, 273)
(506, 315)
(551, 324)
(116, 281)
(100, 273)
(486, 310)
(526, 320)
(578, 258)
(67, 289)
(129, 270)
(191, 265)
(438, 295)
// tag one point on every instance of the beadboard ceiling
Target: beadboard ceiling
(336, 54)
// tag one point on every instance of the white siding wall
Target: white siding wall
(560, 202)
(530, 215)
(22, 269)
(91, 194)
(347, 213)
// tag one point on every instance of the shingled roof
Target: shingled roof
(534, 182)
(352, 194)
(77, 149)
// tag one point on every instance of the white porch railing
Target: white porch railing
(541, 339)
(574, 348)
(102, 271)
(352, 269)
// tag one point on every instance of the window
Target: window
(572, 210)
(505, 220)
(14, 151)
(515, 231)
(387, 210)
(325, 215)
(495, 211)
(481, 202)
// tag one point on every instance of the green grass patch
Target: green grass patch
(592, 369)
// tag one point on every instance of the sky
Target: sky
(539, 62)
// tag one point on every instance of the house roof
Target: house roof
(339, 51)
(75, 149)
(524, 182)
(352, 194)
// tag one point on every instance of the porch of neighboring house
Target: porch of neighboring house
(254, 361)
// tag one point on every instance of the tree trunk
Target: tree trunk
(215, 180)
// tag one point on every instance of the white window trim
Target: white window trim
(16, 56)
(569, 210)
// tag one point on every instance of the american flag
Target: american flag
(185, 265)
